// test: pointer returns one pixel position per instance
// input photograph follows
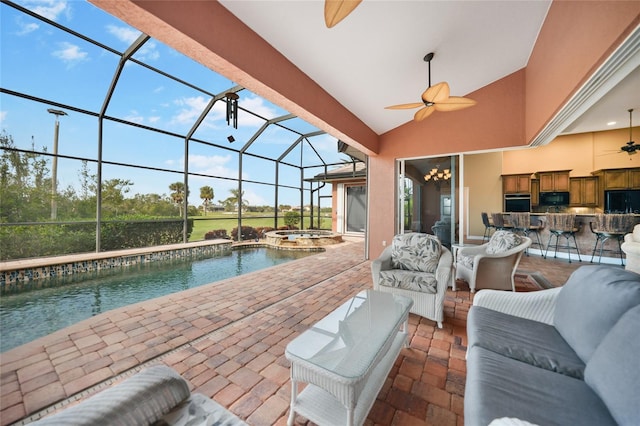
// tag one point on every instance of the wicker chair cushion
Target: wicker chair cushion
(502, 241)
(423, 282)
(416, 252)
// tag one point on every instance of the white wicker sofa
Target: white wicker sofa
(563, 356)
(418, 266)
(156, 396)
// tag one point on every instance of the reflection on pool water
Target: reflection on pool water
(67, 300)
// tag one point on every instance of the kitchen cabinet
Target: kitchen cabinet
(554, 181)
(516, 184)
(535, 192)
(583, 191)
(612, 179)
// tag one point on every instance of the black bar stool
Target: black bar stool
(611, 227)
(563, 225)
(488, 226)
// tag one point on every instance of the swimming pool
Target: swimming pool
(67, 300)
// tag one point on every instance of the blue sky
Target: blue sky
(42, 61)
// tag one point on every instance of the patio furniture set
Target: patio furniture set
(557, 356)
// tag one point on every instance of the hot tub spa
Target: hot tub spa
(302, 238)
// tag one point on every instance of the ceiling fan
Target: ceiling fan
(630, 147)
(435, 98)
(336, 10)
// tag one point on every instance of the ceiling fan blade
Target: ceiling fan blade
(423, 113)
(406, 106)
(436, 93)
(454, 103)
(336, 10)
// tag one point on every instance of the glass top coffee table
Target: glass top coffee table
(346, 357)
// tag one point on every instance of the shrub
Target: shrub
(248, 233)
(291, 219)
(216, 234)
(262, 230)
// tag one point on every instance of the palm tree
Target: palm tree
(206, 194)
(178, 194)
(236, 195)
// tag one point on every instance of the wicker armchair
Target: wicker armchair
(493, 264)
(417, 266)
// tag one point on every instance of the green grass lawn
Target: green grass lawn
(213, 221)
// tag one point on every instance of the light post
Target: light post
(54, 168)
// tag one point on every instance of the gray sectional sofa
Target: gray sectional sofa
(156, 396)
(564, 356)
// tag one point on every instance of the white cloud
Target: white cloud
(190, 109)
(214, 165)
(26, 27)
(50, 9)
(257, 106)
(128, 35)
(154, 119)
(135, 117)
(70, 53)
(3, 116)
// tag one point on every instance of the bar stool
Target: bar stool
(563, 225)
(488, 226)
(522, 223)
(611, 227)
(498, 222)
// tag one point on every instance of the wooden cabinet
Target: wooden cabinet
(535, 192)
(556, 181)
(516, 184)
(611, 179)
(583, 191)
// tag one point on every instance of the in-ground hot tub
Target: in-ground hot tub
(302, 238)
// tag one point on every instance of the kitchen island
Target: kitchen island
(585, 238)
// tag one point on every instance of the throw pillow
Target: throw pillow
(613, 371)
(416, 252)
(591, 302)
(502, 241)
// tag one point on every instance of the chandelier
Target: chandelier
(438, 176)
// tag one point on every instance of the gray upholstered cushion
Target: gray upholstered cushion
(613, 371)
(522, 339)
(416, 252)
(502, 241)
(497, 386)
(139, 400)
(424, 282)
(591, 302)
(200, 411)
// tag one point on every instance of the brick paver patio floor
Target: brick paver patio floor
(228, 339)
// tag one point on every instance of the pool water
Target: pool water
(67, 300)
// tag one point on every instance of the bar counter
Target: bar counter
(585, 239)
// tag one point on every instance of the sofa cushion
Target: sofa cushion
(613, 371)
(497, 386)
(502, 241)
(590, 303)
(141, 399)
(424, 282)
(199, 411)
(525, 340)
(415, 252)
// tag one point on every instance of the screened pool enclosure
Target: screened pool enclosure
(111, 139)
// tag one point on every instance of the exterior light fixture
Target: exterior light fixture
(232, 108)
(54, 167)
